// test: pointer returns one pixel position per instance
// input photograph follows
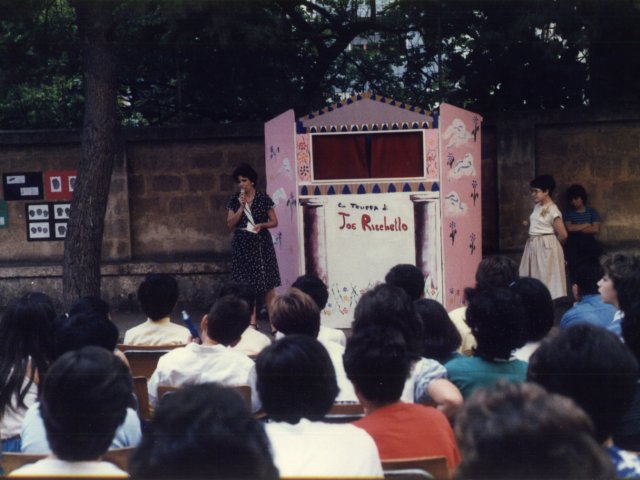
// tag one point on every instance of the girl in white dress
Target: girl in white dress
(543, 257)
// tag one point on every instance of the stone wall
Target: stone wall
(166, 210)
(598, 149)
(169, 189)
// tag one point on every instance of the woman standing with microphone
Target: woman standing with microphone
(251, 213)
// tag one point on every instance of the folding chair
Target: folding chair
(142, 394)
(143, 360)
(243, 390)
(120, 457)
(436, 466)
(344, 412)
(12, 461)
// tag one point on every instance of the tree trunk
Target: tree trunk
(83, 244)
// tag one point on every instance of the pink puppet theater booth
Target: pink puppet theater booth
(368, 183)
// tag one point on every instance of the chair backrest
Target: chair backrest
(436, 466)
(344, 412)
(12, 461)
(120, 457)
(407, 474)
(243, 390)
(143, 359)
(142, 394)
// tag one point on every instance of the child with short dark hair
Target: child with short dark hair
(213, 360)
(582, 223)
(84, 399)
(497, 319)
(209, 425)
(543, 257)
(158, 295)
(377, 364)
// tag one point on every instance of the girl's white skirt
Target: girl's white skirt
(543, 259)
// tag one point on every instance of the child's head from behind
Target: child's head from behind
(212, 427)
(84, 399)
(497, 271)
(227, 320)
(376, 362)
(295, 312)
(296, 379)
(389, 306)
(497, 320)
(158, 295)
(521, 431)
(441, 337)
(593, 367)
(538, 307)
(409, 278)
(314, 287)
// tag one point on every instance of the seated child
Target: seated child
(158, 295)
(84, 398)
(377, 363)
(204, 431)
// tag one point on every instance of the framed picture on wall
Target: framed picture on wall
(60, 230)
(58, 185)
(38, 231)
(22, 186)
(37, 211)
(61, 211)
(47, 221)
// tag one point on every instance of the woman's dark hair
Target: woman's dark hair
(376, 362)
(538, 307)
(544, 183)
(245, 170)
(576, 191)
(25, 330)
(203, 431)
(296, 379)
(84, 400)
(441, 337)
(591, 366)
(388, 306)
(497, 320)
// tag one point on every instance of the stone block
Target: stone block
(137, 184)
(208, 161)
(166, 183)
(204, 182)
(186, 204)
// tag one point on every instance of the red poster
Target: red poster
(59, 184)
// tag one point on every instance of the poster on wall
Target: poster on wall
(4, 214)
(47, 221)
(365, 236)
(22, 186)
(59, 184)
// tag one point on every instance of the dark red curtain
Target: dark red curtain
(339, 157)
(378, 155)
(396, 155)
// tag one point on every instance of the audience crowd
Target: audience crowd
(494, 388)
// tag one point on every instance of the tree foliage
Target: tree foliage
(201, 61)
